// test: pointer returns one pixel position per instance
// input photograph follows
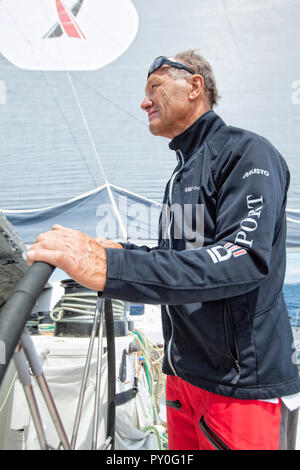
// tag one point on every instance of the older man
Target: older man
(231, 380)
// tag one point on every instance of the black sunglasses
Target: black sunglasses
(162, 60)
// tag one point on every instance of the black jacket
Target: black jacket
(225, 322)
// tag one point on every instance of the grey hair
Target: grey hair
(199, 65)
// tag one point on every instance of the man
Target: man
(228, 342)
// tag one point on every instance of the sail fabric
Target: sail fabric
(63, 112)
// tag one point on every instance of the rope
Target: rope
(77, 304)
(155, 356)
(160, 437)
(152, 355)
(8, 392)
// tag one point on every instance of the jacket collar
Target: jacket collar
(194, 136)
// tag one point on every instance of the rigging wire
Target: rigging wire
(70, 130)
(116, 105)
(112, 199)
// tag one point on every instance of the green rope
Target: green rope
(156, 432)
(148, 375)
(8, 393)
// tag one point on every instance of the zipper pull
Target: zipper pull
(174, 404)
(238, 373)
(179, 156)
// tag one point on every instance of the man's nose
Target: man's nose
(146, 103)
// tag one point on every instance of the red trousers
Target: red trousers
(201, 420)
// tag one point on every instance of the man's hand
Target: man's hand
(83, 258)
(108, 243)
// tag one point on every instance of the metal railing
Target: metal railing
(19, 346)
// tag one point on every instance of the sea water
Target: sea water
(291, 294)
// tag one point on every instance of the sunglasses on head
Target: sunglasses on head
(162, 60)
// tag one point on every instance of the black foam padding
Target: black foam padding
(83, 329)
(12, 259)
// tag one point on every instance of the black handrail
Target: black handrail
(111, 372)
(16, 311)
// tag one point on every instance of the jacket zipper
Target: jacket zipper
(174, 404)
(234, 357)
(170, 342)
(180, 158)
(215, 441)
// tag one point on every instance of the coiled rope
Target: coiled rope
(77, 303)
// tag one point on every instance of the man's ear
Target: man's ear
(197, 86)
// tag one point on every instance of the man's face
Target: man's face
(166, 103)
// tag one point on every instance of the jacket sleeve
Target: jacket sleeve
(132, 246)
(251, 201)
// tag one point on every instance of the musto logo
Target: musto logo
(66, 34)
(256, 171)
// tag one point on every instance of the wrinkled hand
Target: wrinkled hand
(108, 243)
(83, 258)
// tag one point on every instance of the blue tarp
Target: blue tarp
(93, 213)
